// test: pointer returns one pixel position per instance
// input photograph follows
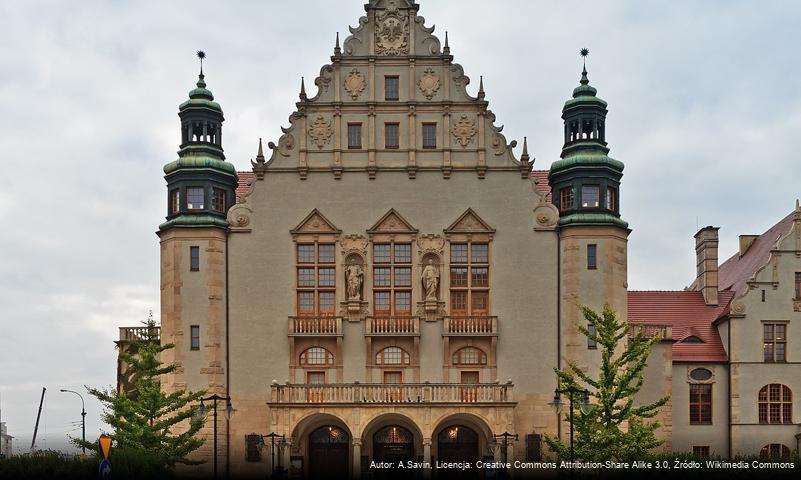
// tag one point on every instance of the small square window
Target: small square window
(391, 89)
(326, 253)
(218, 202)
(591, 343)
(305, 277)
(195, 198)
(458, 253)
(592, 256)
(391, 135)
(175, 201)
(566, 199)
(306, 253)
(194, 259)
(403, 253)
(701, 451)
(429, 135)
(381, 253)
(590, 196)
(479, 253)
(194, 337)
(355, 135)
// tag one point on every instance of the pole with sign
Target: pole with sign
(104, 471)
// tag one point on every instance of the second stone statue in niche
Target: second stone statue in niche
(354, 274)
(430, 278)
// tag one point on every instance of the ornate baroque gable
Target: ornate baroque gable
(341, 128)
(316, 223)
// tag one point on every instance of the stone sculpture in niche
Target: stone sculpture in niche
(430, 278)
(320, 131)
(354, 274)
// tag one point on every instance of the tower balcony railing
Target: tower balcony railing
(651, 330)
(136, 334)
(391, 393)
(470, 325)
(315, 326)
(396, 325)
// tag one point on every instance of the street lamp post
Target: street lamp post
(83, 418)
(505, 436)
(228, 410)
(557, 406)
(277, 469)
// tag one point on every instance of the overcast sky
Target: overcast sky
(703, 109)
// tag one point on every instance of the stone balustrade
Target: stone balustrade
(392, 325)
(471, 325)
(316, 326)
(131, 334)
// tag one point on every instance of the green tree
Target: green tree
(143, 417)
(613, 426)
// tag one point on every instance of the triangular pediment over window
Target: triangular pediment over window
(315, 222)
(469, 222)
(392, 222)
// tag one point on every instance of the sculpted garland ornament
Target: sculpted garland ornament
(428, 83)
(391, 32)
(355, 84)
(320, 131)
(463, 130)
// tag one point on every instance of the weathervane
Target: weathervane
(201, 55)
(583, 52)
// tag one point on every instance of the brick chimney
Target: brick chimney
(706, 261)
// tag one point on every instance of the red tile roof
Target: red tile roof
(689, 316)
(735, 272)
(541, 179)
(245, 180)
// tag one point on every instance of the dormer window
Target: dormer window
(590, 196)
(692, 339)
(195, 198)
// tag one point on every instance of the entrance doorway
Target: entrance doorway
(457, 444)
(393, 444)
(328, 453)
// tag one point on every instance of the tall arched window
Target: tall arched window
(316, 356)
(469, 356)
(392, 356)
(775, 450)
(775, 404)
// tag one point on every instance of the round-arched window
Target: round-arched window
(469, 356)
(775, 404)
(775, 450)
(700, 374)
(316, 356)
(392, 356)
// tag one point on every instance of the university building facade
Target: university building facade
(390, 281)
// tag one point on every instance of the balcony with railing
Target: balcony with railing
(315, 326)
(470, 325)
(134, 334)
(393, 393)
(650, 330)
(392, 325)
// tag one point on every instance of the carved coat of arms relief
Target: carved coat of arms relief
(429, 83)
(464, 129)
(355, 84)
(391, 32)
(320, 131)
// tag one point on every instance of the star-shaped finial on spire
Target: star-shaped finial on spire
(584, 52)
(201, 55)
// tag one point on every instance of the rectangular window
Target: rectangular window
(478, 253)
(798, 285)
(381, 253)
(326, 277)
(592, 344)
(611, 199)
(459, 302)
(381, 277)
(315, 378)
(393, 377)
(326, 303)
(306, 303)
(590, 196)
(194, 337)
(700, 403)
(175, 201)
(469, 377)
(355, 135)
(326, 253)
(469, 279)
(774, 342)
(403, 303)
(392, 279)
(403, 277)
(391, 89)
(429, 135)
(316, 279)
(701, 451)
(566, 199)
(306, 277)
(592, 256)
(479, 276)
(403, 253)
(252, 441)
(459, 277)
(391, 135)
(218, 202)
(194, 259)
(458, 253)
(533, 447)
(306, 253)
(195, 198)
(382, 305)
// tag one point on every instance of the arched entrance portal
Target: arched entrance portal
(393, 444)
(457, 443)
(328, 452)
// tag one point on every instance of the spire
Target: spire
(260, 153)
(447, 49)
(524, 156)
(200, 78)
(337, 50)
(302, 90)
(481, 87)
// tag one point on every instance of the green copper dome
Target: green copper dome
(584, 94)
(201, 97)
